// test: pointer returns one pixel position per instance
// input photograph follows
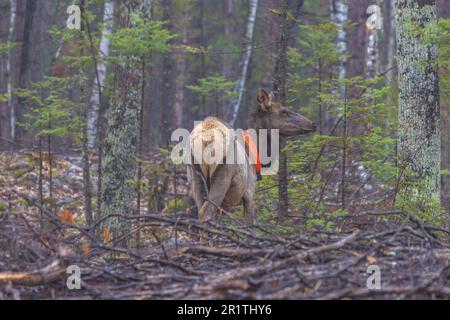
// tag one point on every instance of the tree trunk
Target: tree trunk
(280, 90)
(167, 82)
(120, 150)
(240, 85)
(180, 69)
(228, 30)
(419, 116)
(338, 15)
(87, 187)
(372, 56)
(443, 7)
(94, 114)
(387, 46)
(7, 117)
(11, 72)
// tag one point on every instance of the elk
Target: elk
(215, 185)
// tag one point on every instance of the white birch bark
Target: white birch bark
(101, 69)
(240, 85)
(372, 54)
(339, 15)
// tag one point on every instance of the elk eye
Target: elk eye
(284, 112)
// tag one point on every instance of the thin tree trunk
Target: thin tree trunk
(444, 12)
(96, 118)
(40, 182)
(167, 82)
(280, 91)
(228, 27)
(202, 58)
(387, 46)
(10, 70)
(87, 188)
(372, 56)
(338, 15)
(180, 70)
(50, 166)
(240, 85)
(148, 13)
(419, 116)
(100, 74)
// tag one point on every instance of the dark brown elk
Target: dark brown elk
(215, 185)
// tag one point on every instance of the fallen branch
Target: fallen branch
(47, 274)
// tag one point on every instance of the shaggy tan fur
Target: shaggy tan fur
(210, 141)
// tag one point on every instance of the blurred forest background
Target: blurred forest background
(91, 91)
(64, 95)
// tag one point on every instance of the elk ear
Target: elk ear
(263, 99)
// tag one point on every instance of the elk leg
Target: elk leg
(197, 189)
(249, 208)
(216, 195)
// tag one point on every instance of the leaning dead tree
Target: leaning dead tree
(240, 85)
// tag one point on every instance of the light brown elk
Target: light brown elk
(215, 185)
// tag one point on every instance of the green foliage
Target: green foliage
(415, 199)
(315, 162)
(142, 38)
(5, 47)
(215, 89)
(212, 85)
(51, 113)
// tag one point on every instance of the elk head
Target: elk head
(270, 114)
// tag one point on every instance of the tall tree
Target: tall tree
(280, 91)
(182, 25)
(167, 81)
(120, 144)
(443, 8)
(7, 114)
(419, 116)
(338, 15)
(228, 28)
(248, 40)
(10, 68)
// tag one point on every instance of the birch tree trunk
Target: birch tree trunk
(240, 85)
(419, 115)
(338, 15)
(93, 117)
(372, 55)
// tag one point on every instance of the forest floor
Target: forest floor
(232, 261)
